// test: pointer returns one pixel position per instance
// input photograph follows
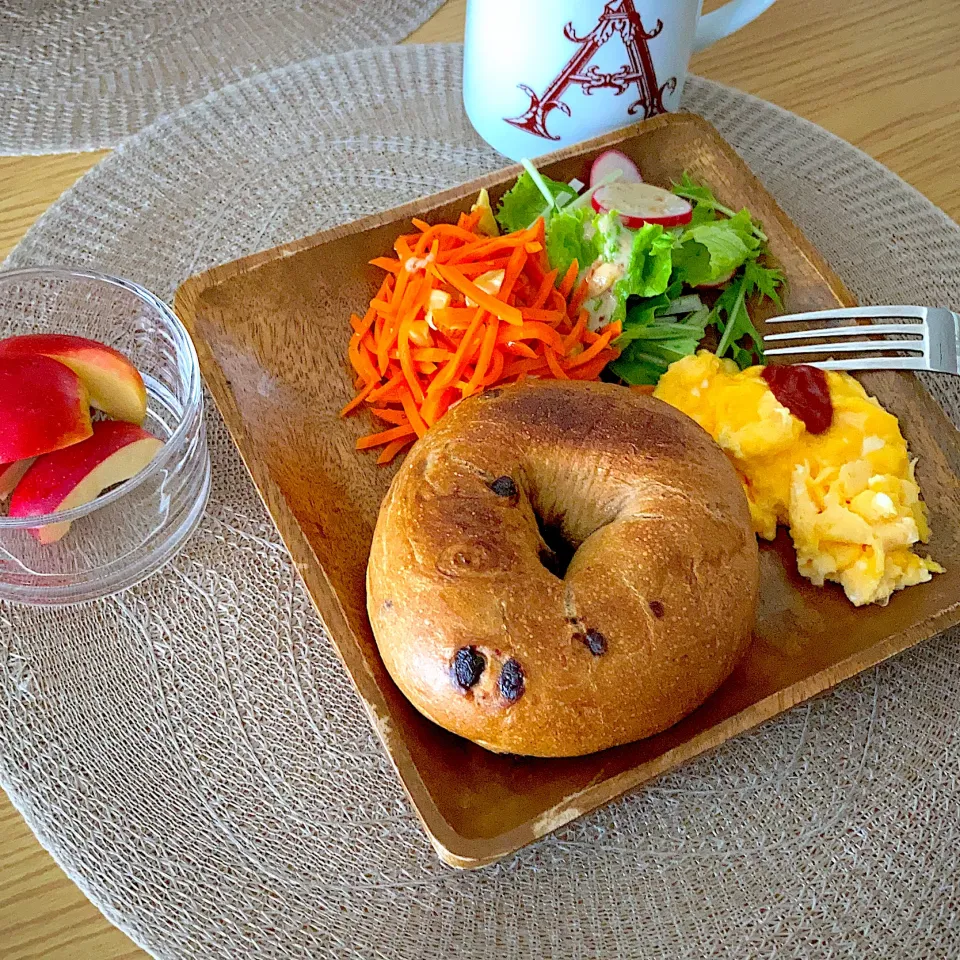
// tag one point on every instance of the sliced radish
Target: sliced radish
(640, 203)
(611, 160)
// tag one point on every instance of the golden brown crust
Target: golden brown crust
(657, 604)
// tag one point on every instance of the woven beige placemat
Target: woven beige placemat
(192, 753)
(83, 74)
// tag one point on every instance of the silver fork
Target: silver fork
(934, 343)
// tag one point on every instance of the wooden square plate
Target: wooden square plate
(272, 332)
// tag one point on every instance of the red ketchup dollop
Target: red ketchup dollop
(803, 390)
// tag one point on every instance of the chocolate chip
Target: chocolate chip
(504, 487)
(596, 642)
(656, 608)
(386, 605)
(511, 681)
(468, 666)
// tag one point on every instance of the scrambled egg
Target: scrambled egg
(848, 495)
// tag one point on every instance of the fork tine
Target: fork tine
(875, 363)
(854, 313)
(853, 346)
(859, 331)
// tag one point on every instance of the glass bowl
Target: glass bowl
(132, 529)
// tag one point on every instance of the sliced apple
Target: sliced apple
(43, 406)
(113, 382)
(76, 475)
(11, 474)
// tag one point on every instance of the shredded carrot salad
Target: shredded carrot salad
(459, 312)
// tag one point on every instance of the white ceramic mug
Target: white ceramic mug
(541, 74)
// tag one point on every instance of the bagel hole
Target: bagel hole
(557, 551)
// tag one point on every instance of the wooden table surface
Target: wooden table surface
(883, 74)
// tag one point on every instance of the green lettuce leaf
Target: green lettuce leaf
(648, 268)
(731, 242)
(691, 263)
(523, 202)
(646, 360)
(651, 261)
(566, 240)
(636, 368)
(710, 251)
(650, 343)
(647, 264)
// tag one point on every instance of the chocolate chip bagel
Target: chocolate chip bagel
(562, 567)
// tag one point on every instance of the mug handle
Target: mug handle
(728, 19)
